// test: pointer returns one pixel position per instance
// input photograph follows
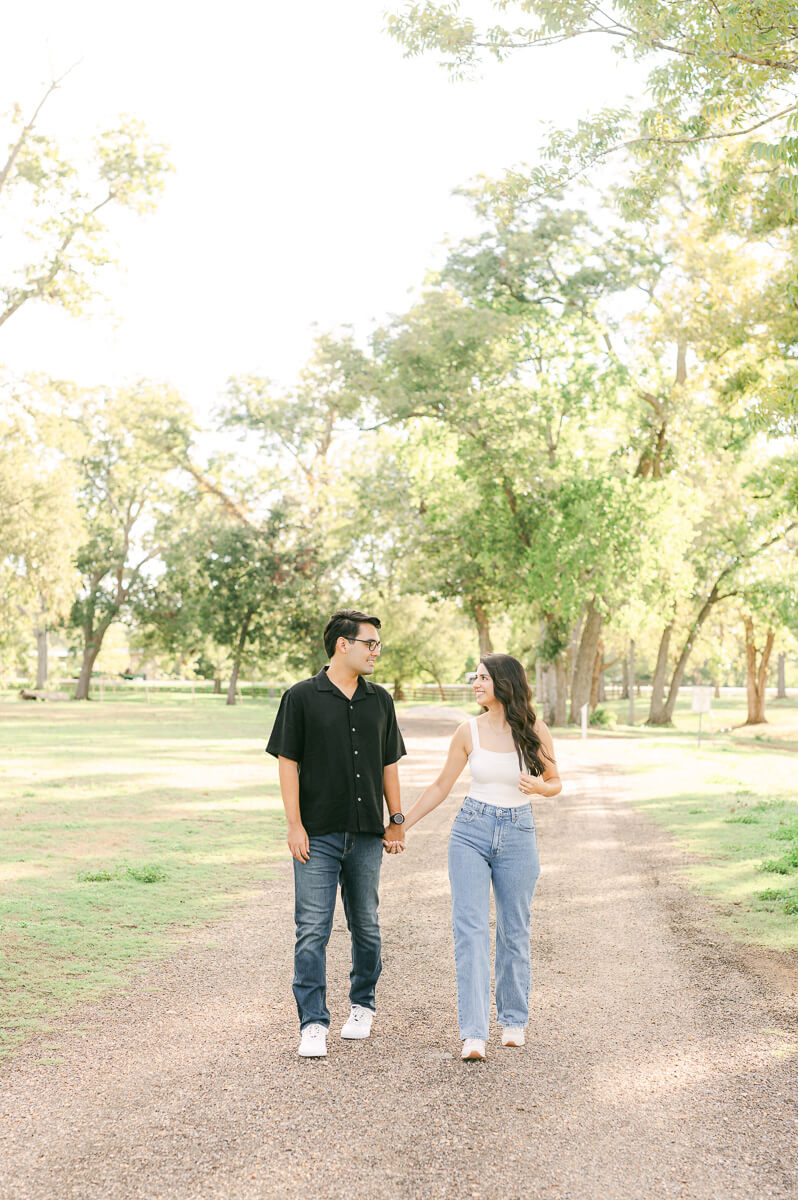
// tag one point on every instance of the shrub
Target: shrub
(146, 874)
(604, 718)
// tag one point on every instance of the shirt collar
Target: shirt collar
(323, 684)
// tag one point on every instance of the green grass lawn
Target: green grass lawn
(726, 718)
(735, 809)
(121, 824)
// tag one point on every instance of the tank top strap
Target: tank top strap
(472, 724)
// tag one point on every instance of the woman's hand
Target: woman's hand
(530, 785)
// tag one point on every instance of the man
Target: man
(338, 745)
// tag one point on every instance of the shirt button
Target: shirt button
(358, 777)
(359, 800)
(356, 752)
(353, 729)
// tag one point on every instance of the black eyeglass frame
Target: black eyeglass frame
(372, 643)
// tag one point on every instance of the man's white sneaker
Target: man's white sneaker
(513, 1035)
(358, 1025)
(313, 1043)
(473, 1050)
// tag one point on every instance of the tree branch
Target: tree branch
(17, 147)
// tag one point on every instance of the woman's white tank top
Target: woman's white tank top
(495, 774)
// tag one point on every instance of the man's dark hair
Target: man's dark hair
(345, 623)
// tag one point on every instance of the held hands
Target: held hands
(394, 839)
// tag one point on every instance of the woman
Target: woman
(511, 756)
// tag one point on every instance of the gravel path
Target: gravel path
(659, 1061)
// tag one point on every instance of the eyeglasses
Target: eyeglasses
(372, 643)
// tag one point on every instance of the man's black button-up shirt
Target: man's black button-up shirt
(341, 746)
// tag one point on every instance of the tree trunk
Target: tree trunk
(573, 649)
(546, 691)
(585, 659)
(596, 678)
(90, 653)
(398, 690)
(561, 692)
(781, 694)
(625, 674)
(756, 676)
(716, 686)
(92, 644)
(41, 652)
(239, 652)
(656, 712)
(681, 666)
(630, 680)
(217, 685)
(483, 630)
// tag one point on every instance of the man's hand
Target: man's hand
(298, 842)
(394, 839)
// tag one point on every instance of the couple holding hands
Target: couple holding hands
(338, 746)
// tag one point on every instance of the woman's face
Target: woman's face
(483, 686)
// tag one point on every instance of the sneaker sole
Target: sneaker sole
(314, 1054)
(355, 1037)
(517, 1045)
(474, 1056)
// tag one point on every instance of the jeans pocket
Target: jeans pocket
(526, 825)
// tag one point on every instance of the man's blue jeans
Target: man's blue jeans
(497, 845)
(352, 860)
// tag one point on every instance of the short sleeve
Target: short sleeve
(287, 737)
(393, 747)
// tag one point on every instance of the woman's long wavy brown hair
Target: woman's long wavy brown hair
(511, 689)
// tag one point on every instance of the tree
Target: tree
(251, 590)
(422, 640)
(128, 495)
(303, 460)
(513, 355)
(418, 525)
(40, 526)
(769, 608)
(718, 71)
(53, 209)
(749, 513)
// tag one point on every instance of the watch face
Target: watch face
(397, 819)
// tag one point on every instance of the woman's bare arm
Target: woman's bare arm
(437, 792)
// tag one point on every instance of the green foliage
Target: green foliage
(40, 524)
(603, 718)
(52, 207)
(129, 495)
(716, 72)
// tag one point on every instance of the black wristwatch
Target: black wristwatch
(397, 819)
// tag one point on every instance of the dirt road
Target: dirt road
(660, 1060)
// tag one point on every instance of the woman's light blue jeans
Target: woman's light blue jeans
(495, 845)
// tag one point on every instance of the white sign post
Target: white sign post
(583, 711)
(702, 703)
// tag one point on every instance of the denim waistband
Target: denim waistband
(493, 810)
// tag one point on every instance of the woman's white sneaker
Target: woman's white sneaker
(473, 1050)
(513, 1035)
(358, 1024)
(313, 1043)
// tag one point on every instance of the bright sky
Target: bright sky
(314, 172)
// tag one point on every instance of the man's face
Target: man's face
(359, 658)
